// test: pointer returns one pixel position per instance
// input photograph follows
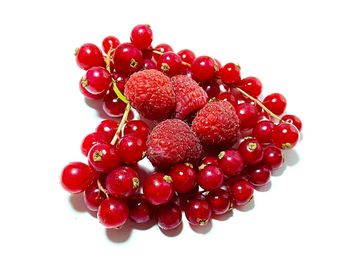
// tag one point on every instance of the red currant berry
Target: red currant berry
(93, 196)
(276, 103)
(212, 88)
(88, 56)
(186, 55)
(241, 192)
(147, 53)
(108, 128)
(158, 188)
(231, 162)
(208, 160)
(247, 115)
(112, 105)
(169, 63)
(210, 178)
(259, 175)
(285, 135)
(109, 43)
(112, 213)
(219, 201)
(273, 157)
(292, 119)
(127, 58)
(140, 210)
(137, 128)
(169, 216)
(251, 151)
(103, 157)
(263, 131)
(149, 64)
(228, 96)
(141, 36)
(97, 80)
(230, 73)
(120, 80)
(76, 177)
(198, 212)
(122, 182)
(90, 140)
(203, 68)
(184, 177)
(161, 48)
(88, 94)
(251, 85)
(131, 149)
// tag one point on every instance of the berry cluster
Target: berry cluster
(214, 141)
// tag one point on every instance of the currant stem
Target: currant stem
(260, 104)
(103, 190)
(121, 124)
(161, 53)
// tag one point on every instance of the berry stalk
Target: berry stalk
(122, 122)
(103, 190)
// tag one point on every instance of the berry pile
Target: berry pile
(214, 142)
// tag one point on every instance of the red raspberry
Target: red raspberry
(217, 124)
(189, 95)
(172, 142)
(150, 93)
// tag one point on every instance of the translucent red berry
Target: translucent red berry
(131, 149)
(198, 212)
(93, 196)
(247, 114)
(219, 201)
(230, 73)
(90, 140)
(88, 56)
(184, 177)
(76, 177)
(122, 182)
(251, 151)
(112, 213)
(230, 162)
(210, 177)
(186, 55)
(285, 135)
(103, 157)
(140, 211)
(109, 43)
(169, 216)
(88, 94)
(158, 188)
(169, 63)
(276, 103)
(292, 119)
(259, 175)
(108, 128)
(273, 157)
(263, 131)
(162, 48)
(127, 58)
(137, 128)
(149, 64)
(141, 36)
(228, 96)
(212, 88)
(97, 80)
(251, 85)
(112, 105)
(203, 68)
(241, 192)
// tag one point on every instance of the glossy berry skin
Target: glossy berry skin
(251, 151)
(259, 175)
(241, 192)
(219, 201)
(276, 103)
(273, 157)
(112, 213)
(169, 216)
(122, 182)
(149, 64)
(112, 105)
(76, 177)
(120, 80)
(184, 177)
(198, 212)
(141, 36)
(103, 157)
(137, 128)
(90, 140)
(97, 80)
(203, 68)
(292, 119)
(93, 197)
(228, 96)
(127, 58)
(208, 160)
(131, 149)
(140, 211)
(212, 88)
(230, 73)
(186, 55)
(263, 131)
(285, 135)
(108, 128)
(247, 115)
(169, 63)
(88, 56)
(161, 48)
(231, 162)
(210, 177)
(158, 188)
(110, 42)
(251, 85)
(88, 94)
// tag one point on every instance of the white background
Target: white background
(298, 48)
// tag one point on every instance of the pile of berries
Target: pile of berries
(213, 142)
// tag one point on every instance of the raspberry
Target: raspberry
(172, 142)
(189, 95)
(150, 93)
(217, 124)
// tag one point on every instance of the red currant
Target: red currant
(161, 48)
(184, 177)
(88, 94)
(103, 157)
(149, 64)
(292, 119)
(120, 80)
(88, 56)
(219, 201)
(122, 182)
(112, 213)
(273, 157)
(186, 55)
(241, 192)
(169, 63)
(228, 96)
(251, 151)
(276, 103)
(209, 160)
(141, 36)
(90, 140)
(137, 128)
(131, 149)
(76, 177)
(127, 58)
(231, 162)
(263, 131)
(247, 114)
(109, 43)
(158, 188)
(203, 68)
(97, 80)
(198, 212)
(169, 216)
(251, 85)
(285, 135)
(212, 88)
(259, 175)
(93, 196)
(230, 73)
(108, 128)
(112, 105)
(140, 210)
(210, 177)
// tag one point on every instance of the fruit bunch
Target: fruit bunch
(213, 141)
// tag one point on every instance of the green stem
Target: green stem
(121, 124)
